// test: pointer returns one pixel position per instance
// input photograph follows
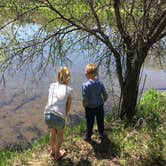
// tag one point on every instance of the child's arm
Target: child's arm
(84, 103)
(84, 100)
(50, 95)
(104, 92)
(105, 96)
(68, 104)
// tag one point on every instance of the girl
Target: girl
(58, 106)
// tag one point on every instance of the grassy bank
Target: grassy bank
(139, 143)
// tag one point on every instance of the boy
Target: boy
(94, 96)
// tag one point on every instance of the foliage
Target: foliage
(152, 109)
(5, 157)
(152, 105)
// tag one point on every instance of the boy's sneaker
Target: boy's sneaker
(103, 137)
(87, 139)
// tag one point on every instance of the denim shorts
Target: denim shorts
(54, 121)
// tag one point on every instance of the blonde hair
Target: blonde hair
(63, 75)
(91, 70)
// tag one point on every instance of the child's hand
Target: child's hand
(68, 120)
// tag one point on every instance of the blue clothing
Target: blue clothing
(94, 93)
(54, 121)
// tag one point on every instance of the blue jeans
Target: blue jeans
(54, 121)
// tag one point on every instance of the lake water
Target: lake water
(22, 105)
(22, 101)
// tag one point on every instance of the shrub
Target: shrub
(152, 104)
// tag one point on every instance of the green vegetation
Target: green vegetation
(126, 144)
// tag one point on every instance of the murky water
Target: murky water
(22, 102)
(22, 105)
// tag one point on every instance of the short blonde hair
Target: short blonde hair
(63, 75)
(91, 69)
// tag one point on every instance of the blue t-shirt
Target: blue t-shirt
(94, 93)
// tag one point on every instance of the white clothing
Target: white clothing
(57, 98)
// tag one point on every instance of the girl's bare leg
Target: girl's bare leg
(58, 143)
(52, 140)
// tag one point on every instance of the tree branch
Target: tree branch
(86, 29)
(156, 20)
(124, 35)
(105, 40)
(95, 14)
(157, 31)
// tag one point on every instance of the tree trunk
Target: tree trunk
(130, 91)
(129, 96)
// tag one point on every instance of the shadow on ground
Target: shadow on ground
(106, 149)
(68, 162)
